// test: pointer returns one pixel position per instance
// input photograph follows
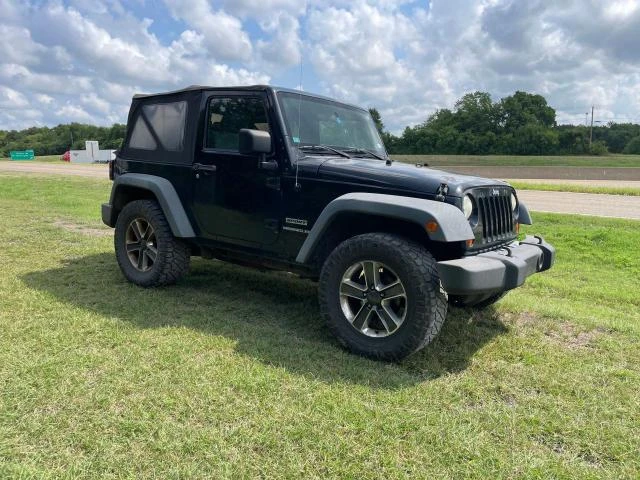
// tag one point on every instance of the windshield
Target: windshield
(315, 121)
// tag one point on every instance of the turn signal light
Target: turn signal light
(431, 227)
(469, 243)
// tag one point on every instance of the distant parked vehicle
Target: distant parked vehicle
(66, 156)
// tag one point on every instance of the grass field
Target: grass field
(564, 187)
(522, 161)
(231, 373)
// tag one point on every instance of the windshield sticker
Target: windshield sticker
(296, 139)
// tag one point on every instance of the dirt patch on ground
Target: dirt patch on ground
(572, 337)
(522, 319)
(563, 334)
(83, 229)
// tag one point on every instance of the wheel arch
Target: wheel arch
(357, 213)
(136, 186)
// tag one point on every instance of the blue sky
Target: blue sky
(82, 60)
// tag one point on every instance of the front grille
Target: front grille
(495, 217)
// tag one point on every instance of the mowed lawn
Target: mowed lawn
(232, 374)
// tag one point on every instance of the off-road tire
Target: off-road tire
(476, 302)
(426, 301)
(173, 255)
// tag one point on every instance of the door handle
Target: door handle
(205, 169)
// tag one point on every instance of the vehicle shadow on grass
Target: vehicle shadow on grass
(272, 317)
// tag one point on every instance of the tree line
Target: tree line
(520, 124)
(59, 139)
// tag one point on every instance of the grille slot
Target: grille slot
(495, 214)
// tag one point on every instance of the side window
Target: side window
(141, 138)
(226, 116)
(167, 121)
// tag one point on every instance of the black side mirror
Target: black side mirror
(253, 141)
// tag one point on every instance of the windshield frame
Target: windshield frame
(295, 146)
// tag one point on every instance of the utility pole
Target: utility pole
(586, 119)
(591, 130)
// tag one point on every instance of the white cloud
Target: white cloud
(75, 113)
(12, 99)
(84, 59)
(283, 49)
(43, 99)
(223, 33)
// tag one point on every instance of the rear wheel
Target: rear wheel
(147, 252)
(381, 296)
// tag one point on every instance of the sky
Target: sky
(82, 60)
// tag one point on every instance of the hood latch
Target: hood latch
(442, 192)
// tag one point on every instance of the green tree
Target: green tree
(377, 119)
(476, 113)
(521, 109)
(633, 147)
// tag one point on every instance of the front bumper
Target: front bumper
(499, 270)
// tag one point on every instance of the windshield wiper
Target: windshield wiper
(366, 152)
(326, 148)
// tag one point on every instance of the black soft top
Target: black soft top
(247, 88)
(201, 88)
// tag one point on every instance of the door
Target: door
(233, 198)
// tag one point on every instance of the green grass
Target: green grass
(564, 187)
(232, 374)
(522, 161)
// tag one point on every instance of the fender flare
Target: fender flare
(165, 194)
(452, 224)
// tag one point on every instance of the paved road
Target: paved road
(569, 173)
(617, 206)
(559, 202)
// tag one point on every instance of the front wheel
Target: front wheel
(381, 296)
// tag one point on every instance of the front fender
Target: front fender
(452, 224)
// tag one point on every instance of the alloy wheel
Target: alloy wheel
(141, 244)
(373, 298)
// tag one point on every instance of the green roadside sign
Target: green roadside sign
(21, 154)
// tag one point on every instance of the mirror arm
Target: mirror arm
(264, 164)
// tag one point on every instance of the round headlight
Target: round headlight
(467, 206)
(514, 202)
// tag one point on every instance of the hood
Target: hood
(399, 176)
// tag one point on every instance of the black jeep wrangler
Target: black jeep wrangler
(281, 179)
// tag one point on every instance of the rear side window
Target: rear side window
(141, 137)
(167, 122)
(226, 116)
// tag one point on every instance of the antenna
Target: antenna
(297, 185)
